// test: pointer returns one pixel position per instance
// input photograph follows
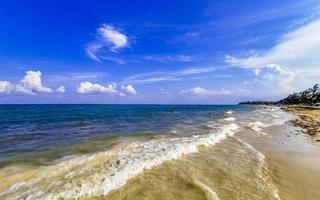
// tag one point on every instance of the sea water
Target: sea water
(82, 151)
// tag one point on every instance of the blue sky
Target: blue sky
(190, 52)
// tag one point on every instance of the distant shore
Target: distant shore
(308, 119)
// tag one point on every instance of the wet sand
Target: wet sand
(282, 165)
(229, 170)
(264, 158)
(293, 162)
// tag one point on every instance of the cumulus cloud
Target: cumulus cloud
(204, 92)
(61, 89)
(128, 90)
(297, 55)
(276, 77)
(107, 38)
(95, 88)
(6, 87)
(32, 84)
(88, 88)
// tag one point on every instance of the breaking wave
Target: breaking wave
(100, 173)
(229, 119)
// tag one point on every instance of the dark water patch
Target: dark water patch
(44, 155)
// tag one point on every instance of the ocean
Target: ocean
(90, 151)
(35, 133)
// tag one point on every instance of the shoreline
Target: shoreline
(308, 118)
(286, 162)
(257, 147)
(292, 160)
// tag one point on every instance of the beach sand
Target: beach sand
(308, 119)
(266, 159)
(285, 165)
(293, 162)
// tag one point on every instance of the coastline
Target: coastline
(244, 154)
(285, 162)
(292, 159)
(308, 118)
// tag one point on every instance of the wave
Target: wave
(99, 173)
(267, 184)
(210, 194)
(268, 117)
(257, 126)
(229, 119)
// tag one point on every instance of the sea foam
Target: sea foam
(257, 126)
(270, 116)
(100, 173)
(229, 119)
(267, 183)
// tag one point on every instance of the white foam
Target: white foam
(229, 112)
(111, 174)
(210, 194)
(257, 126)
(261, 158)
(270, 116)
(274, 115)
(229, 119)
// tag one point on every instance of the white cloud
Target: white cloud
(204, 92)
(6, 87)
(298, 54)
(168, 58)
(95, 88)
(32, 84)
(296, 49)
(127, 90)
(116, 39)
(61, 89)
(277, 78)
(107, 37)
(167, 75)
(88, 88)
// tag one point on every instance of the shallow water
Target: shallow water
(218, 152)
(229, 170)
(36, 134)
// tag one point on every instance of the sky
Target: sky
(157, 52)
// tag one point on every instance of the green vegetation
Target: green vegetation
(258, 102)
(310, 96)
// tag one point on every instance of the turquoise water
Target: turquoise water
(38, 133)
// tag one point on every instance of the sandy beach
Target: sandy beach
(308, 119)
(246, 153)
(160, 100)
(293, 162)
(282, 164)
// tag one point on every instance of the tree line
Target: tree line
(310, 96)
